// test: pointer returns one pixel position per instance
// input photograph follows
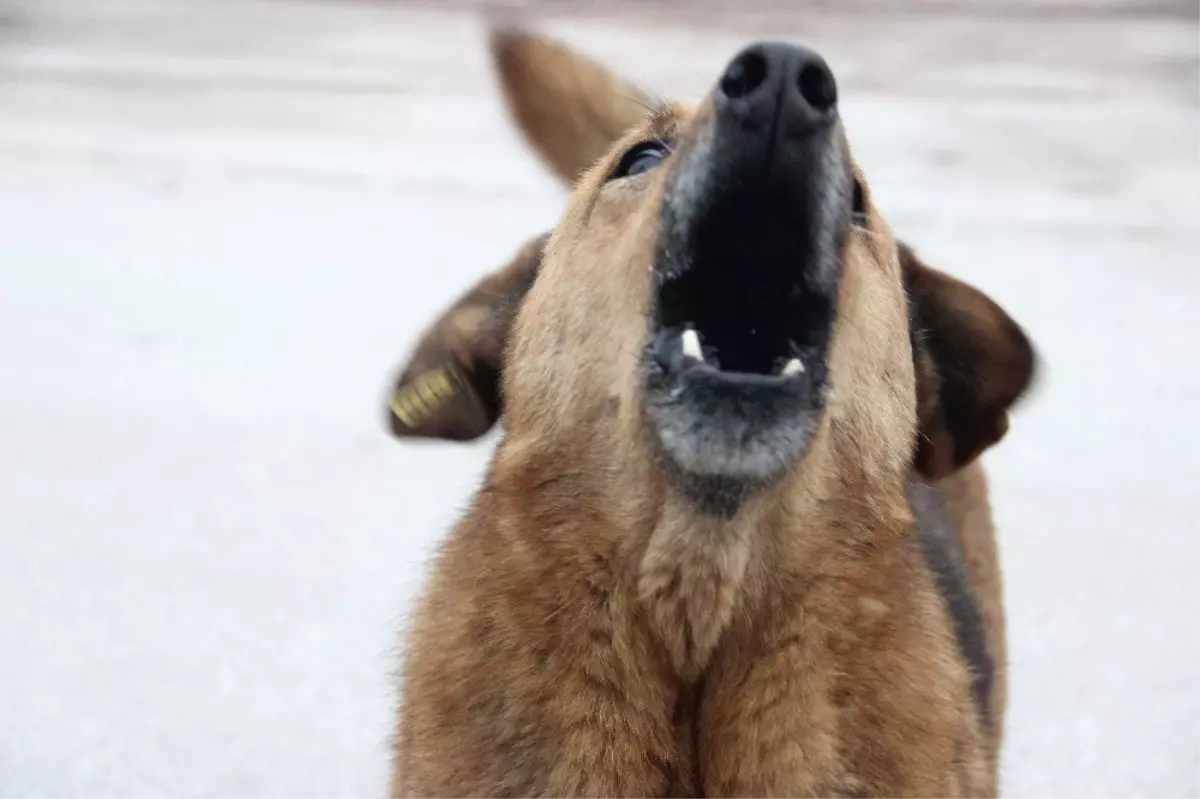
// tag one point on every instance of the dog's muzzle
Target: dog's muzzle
(748, 263)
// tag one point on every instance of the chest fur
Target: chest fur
(690, 580)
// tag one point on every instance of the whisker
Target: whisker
(651, 109)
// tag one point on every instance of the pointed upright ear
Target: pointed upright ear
(450, 386)
(973, 362)
(570, 109)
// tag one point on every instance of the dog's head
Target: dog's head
(722, 303)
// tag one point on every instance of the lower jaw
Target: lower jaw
(720, 452)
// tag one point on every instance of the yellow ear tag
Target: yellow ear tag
(425, 395)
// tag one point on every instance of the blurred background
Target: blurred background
(222, 224)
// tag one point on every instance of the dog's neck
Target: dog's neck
(691, 578)
(689, 569)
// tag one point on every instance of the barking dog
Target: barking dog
(734, 539)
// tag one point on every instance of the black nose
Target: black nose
(778, 84)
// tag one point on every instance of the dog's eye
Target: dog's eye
(640, 158)
(858, 212)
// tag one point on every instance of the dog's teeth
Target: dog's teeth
(691, 345)
(792, 367)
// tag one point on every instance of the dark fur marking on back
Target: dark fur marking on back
(944, 557)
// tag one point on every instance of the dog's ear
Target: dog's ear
(972, 363)
(570, 109)
(450, 386)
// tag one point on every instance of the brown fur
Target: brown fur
(569, 108)
(586, 631)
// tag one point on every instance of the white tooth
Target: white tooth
(691, 345)
(792, 367)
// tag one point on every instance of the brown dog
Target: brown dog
(734, 540)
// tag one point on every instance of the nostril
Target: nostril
(744, 75)
(817, 86)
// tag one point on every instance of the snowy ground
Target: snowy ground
(222, 224)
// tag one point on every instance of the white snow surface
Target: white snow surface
(222, 225)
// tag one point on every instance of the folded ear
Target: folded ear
(972, 363)
(450, 386)
(570, 109)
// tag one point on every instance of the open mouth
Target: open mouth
(736, 361)
(744, 311)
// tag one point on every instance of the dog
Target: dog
(735, 538)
